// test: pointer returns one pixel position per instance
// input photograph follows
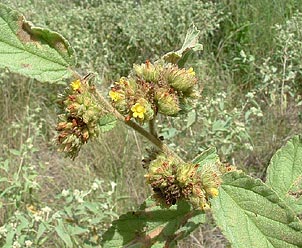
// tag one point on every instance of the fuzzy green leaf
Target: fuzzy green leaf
(107, 122)
(189, 46)
(207, 156)
(250, 214)
(284, 173)
(41, 230)
(32, 51)
(153, 226)
(60, 230)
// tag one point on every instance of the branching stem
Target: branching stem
(151, 136)
(152, 127)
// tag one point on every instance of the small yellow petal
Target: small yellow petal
(138, 110)
(213, 192)
(31, 209)
(133, 109)
(75, 85)
(191, 71)
(115, 96)
(123, 80)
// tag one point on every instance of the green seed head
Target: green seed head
(148, 72)
(173, 181)
(180, 79)
(167, 102)
(79, 112)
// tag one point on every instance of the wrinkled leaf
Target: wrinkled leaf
(153, 226)
(76, 230)
(41, 230)
(32, 51)
(250, 214)
(60, 230)
(206, 157)
(284, 173)
(189, 46)
(107, 122)
(191, 118)
(23, 223)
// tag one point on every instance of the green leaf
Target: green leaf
(33, 51)
(23, 223)
(107, 122)
(284, 174)
(207, 156)
(41, 230)
(9, 239)
(191, 118)
(60, 230)
(15, 152)
(152, 225)
(189, 46)
(250, 214)
(76, 230)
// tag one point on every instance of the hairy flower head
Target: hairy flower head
(180, 79)
(75, 85)
(78, 115)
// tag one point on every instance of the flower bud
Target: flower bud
(161, 166)
(180, 79)
(186, 173)
(148, 72)
(122, 107)
(198, 198)
(167, 103)
(210, 175)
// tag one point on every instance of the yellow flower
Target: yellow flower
(191, 71)
(75, 85)
(115, 96)
(31, 208)
(123, 81)
(138, 111)
(213, 192)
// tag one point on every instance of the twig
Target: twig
(153, 139)
(152, 127)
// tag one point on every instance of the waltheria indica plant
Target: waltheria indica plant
(149, 90)
(249, 212)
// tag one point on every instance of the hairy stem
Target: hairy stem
(152, 137)
(152, 127)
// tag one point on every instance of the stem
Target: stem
(152, 127)
(283, 80)
(149, 135)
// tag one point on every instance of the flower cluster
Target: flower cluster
(154, 88)
(79, 112)
(173, 181)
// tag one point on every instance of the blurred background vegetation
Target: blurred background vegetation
(251, 76)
